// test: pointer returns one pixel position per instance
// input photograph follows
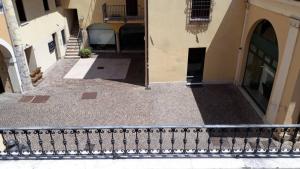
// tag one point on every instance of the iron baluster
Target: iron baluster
(14, 132)
(258, 140)
(88, 141)
(184, 140)
(294, 140)
(197, 140)
(160, 130)
(136, 131)
(38, 132)
(28, 141)
(246, 140)
(75, 132)
(208, 140)
(221, 141)
(63, 132)
(99, 131)
(270, 140)
(148, 140)
(282, 140)
(124, 131)
(172, 139)
(112, 141)
(233, 140)
(52, 142)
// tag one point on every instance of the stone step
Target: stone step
(72, 57)
(73, 48)
(71, 42)
(72, 53)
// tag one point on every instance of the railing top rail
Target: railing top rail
(156, 127)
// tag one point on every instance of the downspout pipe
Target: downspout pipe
(147, 86)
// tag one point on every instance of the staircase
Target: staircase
(73, 48)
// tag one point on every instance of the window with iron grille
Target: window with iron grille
(200, 10)
(1, 6)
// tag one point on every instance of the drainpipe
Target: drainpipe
(146, 46)
(242, 48)
(20, 58)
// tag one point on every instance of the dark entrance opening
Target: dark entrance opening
(132, 37)
(131, 7)
(195, 65)
(1, 87)
(55, 46)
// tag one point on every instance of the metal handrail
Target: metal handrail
(79, 39)
(241, 126)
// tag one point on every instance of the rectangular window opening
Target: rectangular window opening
(46, 5)
(21, 11)
(1, 6)
(63, 35)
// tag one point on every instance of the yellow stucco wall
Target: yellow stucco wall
(3, 29)
(4, 35)
(170, 37)
(91, 10)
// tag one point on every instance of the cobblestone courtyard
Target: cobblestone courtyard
(60, 102)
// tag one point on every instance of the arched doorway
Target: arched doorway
(4, 77)
(132, 37)
(9, 73)
(262, 61)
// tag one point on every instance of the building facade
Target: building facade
(250, 43)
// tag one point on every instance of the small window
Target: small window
(1, 6)
(200, 10)
(46, 5)
(21, 11)
(63, 35)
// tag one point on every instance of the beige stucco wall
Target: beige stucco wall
(91, 10)
(37, 31)
(170, 37)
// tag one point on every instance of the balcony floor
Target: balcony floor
(123, 102)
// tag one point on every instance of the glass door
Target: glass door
(261, 65)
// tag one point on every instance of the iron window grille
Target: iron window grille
(200, 10)
(1, 6)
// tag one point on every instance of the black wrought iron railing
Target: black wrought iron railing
(119, 13)
(151, 142)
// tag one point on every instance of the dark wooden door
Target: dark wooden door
(131, 7)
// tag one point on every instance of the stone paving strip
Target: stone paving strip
(156, 164)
